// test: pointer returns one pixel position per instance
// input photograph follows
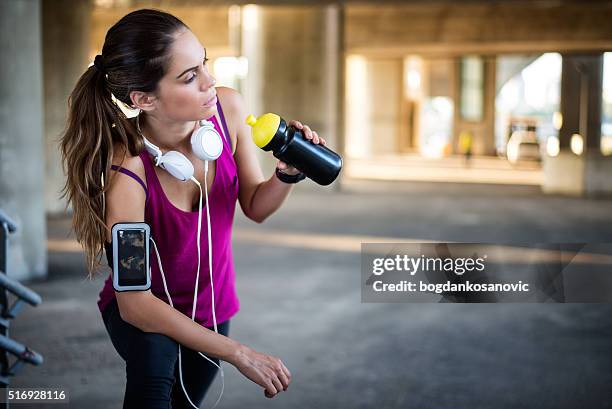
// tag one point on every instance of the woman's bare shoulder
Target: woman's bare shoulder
(125, 199)
(123, 158)
(233, 109)
(229, 98)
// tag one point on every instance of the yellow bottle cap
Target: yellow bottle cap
(263, 128)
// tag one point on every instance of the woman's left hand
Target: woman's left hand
(309, 134)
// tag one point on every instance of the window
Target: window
(472, 88)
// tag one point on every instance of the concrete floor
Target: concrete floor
(303, 304)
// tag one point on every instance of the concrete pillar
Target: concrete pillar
(336, 30)
(332, 76)
(483, 129)
(293, 54)
(65, 25)
(488, 143)
(587, 173)
(299, 77)
(569, 105)
(251, 46)
(22, 175)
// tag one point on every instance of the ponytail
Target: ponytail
(95, 124)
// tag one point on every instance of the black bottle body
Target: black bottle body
(318, 162)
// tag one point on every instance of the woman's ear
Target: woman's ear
(142, 100)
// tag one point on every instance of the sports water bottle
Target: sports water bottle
(271, 133)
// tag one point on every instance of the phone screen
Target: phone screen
(132, 257)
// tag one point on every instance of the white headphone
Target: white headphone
(205, 142)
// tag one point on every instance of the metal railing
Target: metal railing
(10, 288)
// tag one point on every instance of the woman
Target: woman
(151, 61)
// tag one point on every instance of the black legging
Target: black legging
(152, 365)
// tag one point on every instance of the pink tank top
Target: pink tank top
(175, 232)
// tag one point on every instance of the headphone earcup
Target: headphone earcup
(177, 165)
(206, 142)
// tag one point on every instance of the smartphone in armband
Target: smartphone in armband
(131, 269)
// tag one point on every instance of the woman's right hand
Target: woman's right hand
(267, 371)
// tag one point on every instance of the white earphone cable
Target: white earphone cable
(210, 270)
(197, 281)
(196, 284)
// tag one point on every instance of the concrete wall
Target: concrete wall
(298, 57)
(65, 26)
(385, 99)
(209, 24)
(22, 177)
(297, 80)
(478, 27)
(373, 98)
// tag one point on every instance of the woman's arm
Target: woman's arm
(258, 197)
(125, 202)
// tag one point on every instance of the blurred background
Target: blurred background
(472, 121)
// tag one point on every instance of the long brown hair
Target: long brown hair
(135, 56)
